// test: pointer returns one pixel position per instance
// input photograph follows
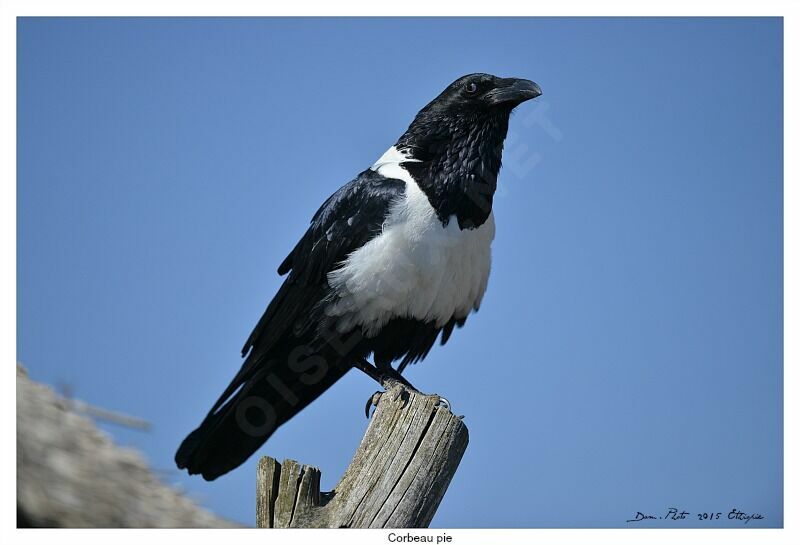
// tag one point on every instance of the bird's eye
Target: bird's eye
(471, 88)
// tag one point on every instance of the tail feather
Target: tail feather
(230, 434)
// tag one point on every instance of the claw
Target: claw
(372, 401)
(443, 403)
(404, 396)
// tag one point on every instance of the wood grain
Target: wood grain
(397, 478)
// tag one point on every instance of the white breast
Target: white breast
(416, 268)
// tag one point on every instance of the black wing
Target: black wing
(350, 218)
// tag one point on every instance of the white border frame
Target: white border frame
(11, 9)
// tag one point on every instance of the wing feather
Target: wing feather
(348, 219)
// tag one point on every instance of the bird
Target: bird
(392, 261)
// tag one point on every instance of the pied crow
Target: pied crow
(393, 260)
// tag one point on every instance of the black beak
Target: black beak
(513, 91)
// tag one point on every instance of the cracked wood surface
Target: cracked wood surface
(397, 478)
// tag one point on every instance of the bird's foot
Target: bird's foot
(392, 377)
(444, 403)
(389, 385)
(372, 402)
(402, 393)
(388, 377)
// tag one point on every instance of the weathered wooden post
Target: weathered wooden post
(397, 478)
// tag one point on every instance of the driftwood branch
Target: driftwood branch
(397, 478)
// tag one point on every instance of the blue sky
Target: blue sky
(628, 353)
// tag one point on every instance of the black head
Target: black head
(482, 94)
(456, 143)
(467, 104)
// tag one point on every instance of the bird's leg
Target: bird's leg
(368, 369)
(387, 376)
(390, 374)
(372, 372)
(383, 377)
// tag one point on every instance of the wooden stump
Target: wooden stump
(397, 478)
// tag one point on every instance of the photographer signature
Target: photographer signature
(673, 513)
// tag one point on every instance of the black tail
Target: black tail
(239, 424)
